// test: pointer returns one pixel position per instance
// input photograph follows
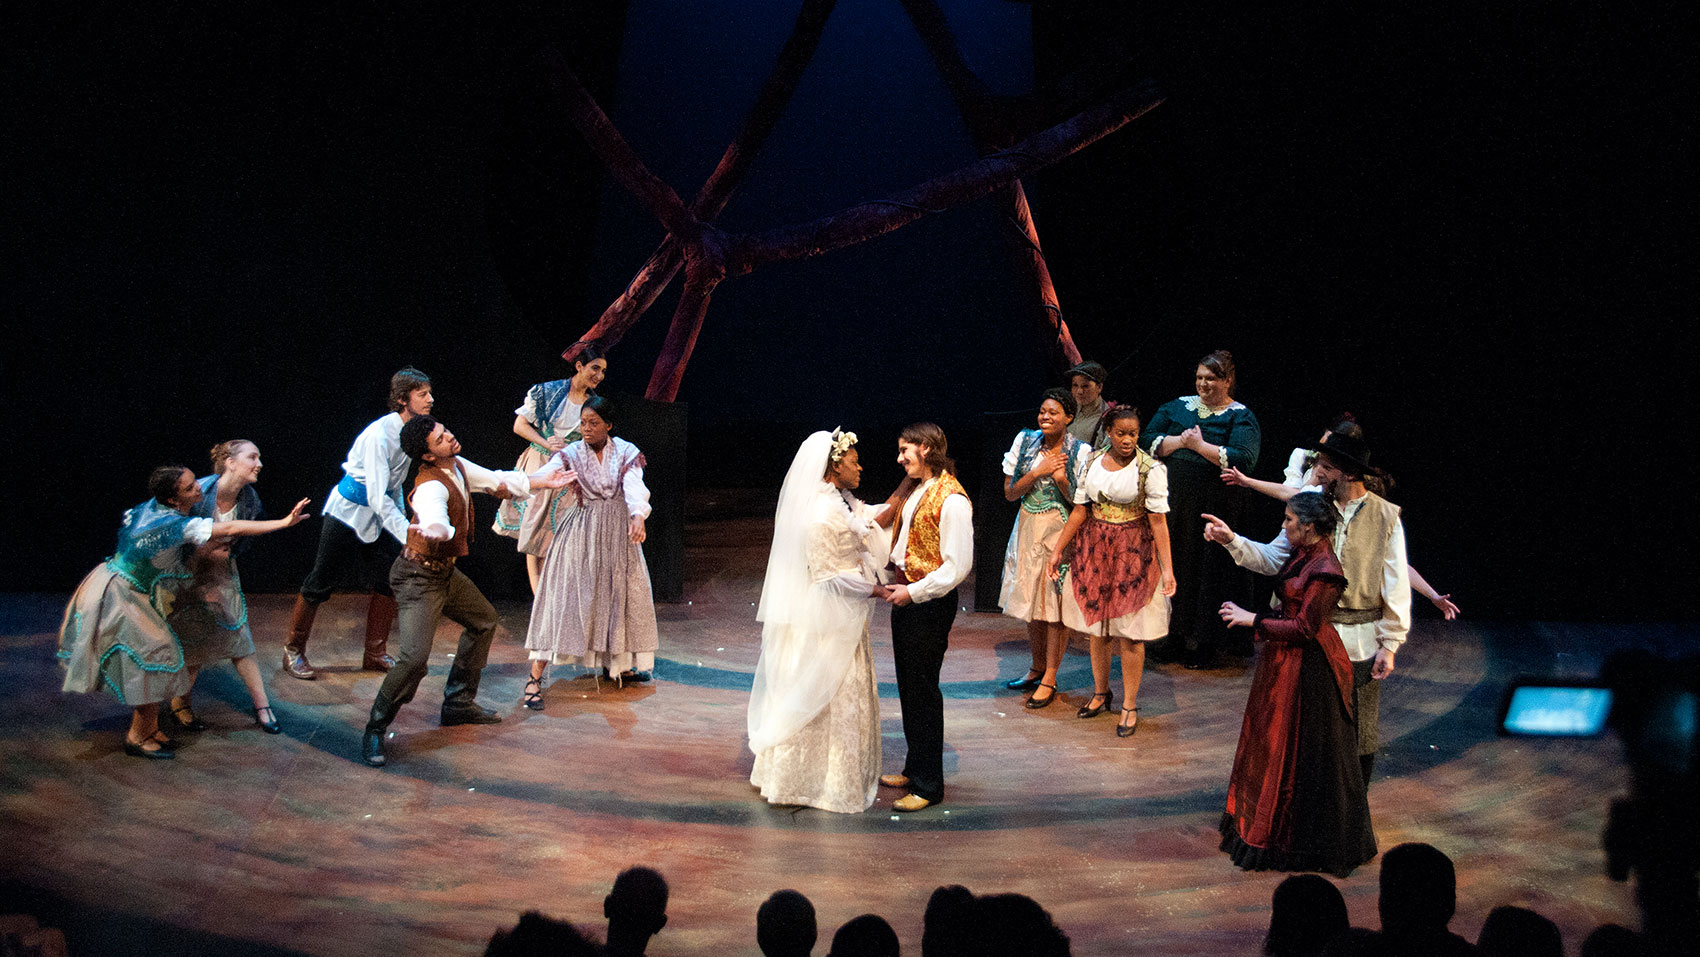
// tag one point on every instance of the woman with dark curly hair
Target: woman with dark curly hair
(1296, 799)
(1041, 471)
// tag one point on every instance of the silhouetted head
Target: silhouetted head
(1615, 940)
(636, 909)
(944, 928)
(1419, 889)
(1306, 913)
(865, 936)
(1519, 932)
(785, 925)
(1015, 924)
(539, 936)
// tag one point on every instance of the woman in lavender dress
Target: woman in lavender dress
(594, 605)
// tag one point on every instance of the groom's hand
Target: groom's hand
(898, 595)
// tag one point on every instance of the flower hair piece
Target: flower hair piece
(841, 442)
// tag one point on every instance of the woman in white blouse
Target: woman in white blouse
(1120, 571)
(548, 419)
(594, 606)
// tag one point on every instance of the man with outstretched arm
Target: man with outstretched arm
(1374, 615)
(428, 586)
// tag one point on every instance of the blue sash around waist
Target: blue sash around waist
(356, 492)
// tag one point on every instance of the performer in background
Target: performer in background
(1374, 614)
(548, 419)
(1301, 473)
(116, 633)
(1296, 799)
(1120, 571)
(1198, 437)
(1086, 384)
(215, 624)
(353, 552)
(814, 720)
(1041, 470)
(932, 554)
(594, 604)
(428, 586)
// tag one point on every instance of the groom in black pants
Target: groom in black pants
(932, 554)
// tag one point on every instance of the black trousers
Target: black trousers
(345, 563)
(920, 632)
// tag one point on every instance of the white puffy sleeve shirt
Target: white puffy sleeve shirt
(956, 544)
(431, 500)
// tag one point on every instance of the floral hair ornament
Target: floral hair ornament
(841, 442)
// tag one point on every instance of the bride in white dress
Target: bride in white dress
(814, 710)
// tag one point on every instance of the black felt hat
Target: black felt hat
(1346, 448)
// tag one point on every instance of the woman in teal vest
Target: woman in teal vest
(116, 634)
(1041, 470)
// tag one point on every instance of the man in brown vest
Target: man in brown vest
(427, 584)
(1374, 615)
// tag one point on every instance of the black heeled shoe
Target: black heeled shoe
(1127, 730)
(268, 724)
(1025, 684)
(135, 750)
(533, 699)
(1034, 704)
(186, 718)
(1087, 711)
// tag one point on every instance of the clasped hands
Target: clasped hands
(1052, 463)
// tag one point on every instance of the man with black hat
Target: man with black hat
(1374, 615)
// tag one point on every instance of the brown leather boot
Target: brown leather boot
(295, 644)
(380, 615)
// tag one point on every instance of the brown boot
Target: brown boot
(380, 615)
(295, 645)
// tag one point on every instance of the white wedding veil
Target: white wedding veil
(787, 563)
(811, 631)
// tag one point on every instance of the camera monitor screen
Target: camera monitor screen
(1569, 710)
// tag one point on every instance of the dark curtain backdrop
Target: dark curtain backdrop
(1466, 224)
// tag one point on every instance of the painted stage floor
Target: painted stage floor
(249, 843)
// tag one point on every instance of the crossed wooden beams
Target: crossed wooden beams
(710, 255)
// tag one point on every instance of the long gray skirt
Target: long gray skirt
(114, 638)
(211, 616)
(593, 602)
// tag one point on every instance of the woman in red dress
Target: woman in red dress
(1296, 799)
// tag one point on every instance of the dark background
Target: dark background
(1466, 225)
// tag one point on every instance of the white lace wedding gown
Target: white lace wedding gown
(814, 711)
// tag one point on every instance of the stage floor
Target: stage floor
(249, 843)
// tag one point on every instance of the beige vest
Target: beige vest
(1362, 556)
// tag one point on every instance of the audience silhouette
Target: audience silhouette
(865, 936)
(1519, 932)
(1306, 913)
(785, 925)
(636, 910)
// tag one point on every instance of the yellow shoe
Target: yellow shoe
(911, 802)
(894, 780)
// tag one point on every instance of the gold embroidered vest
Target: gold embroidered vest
(922, 556)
